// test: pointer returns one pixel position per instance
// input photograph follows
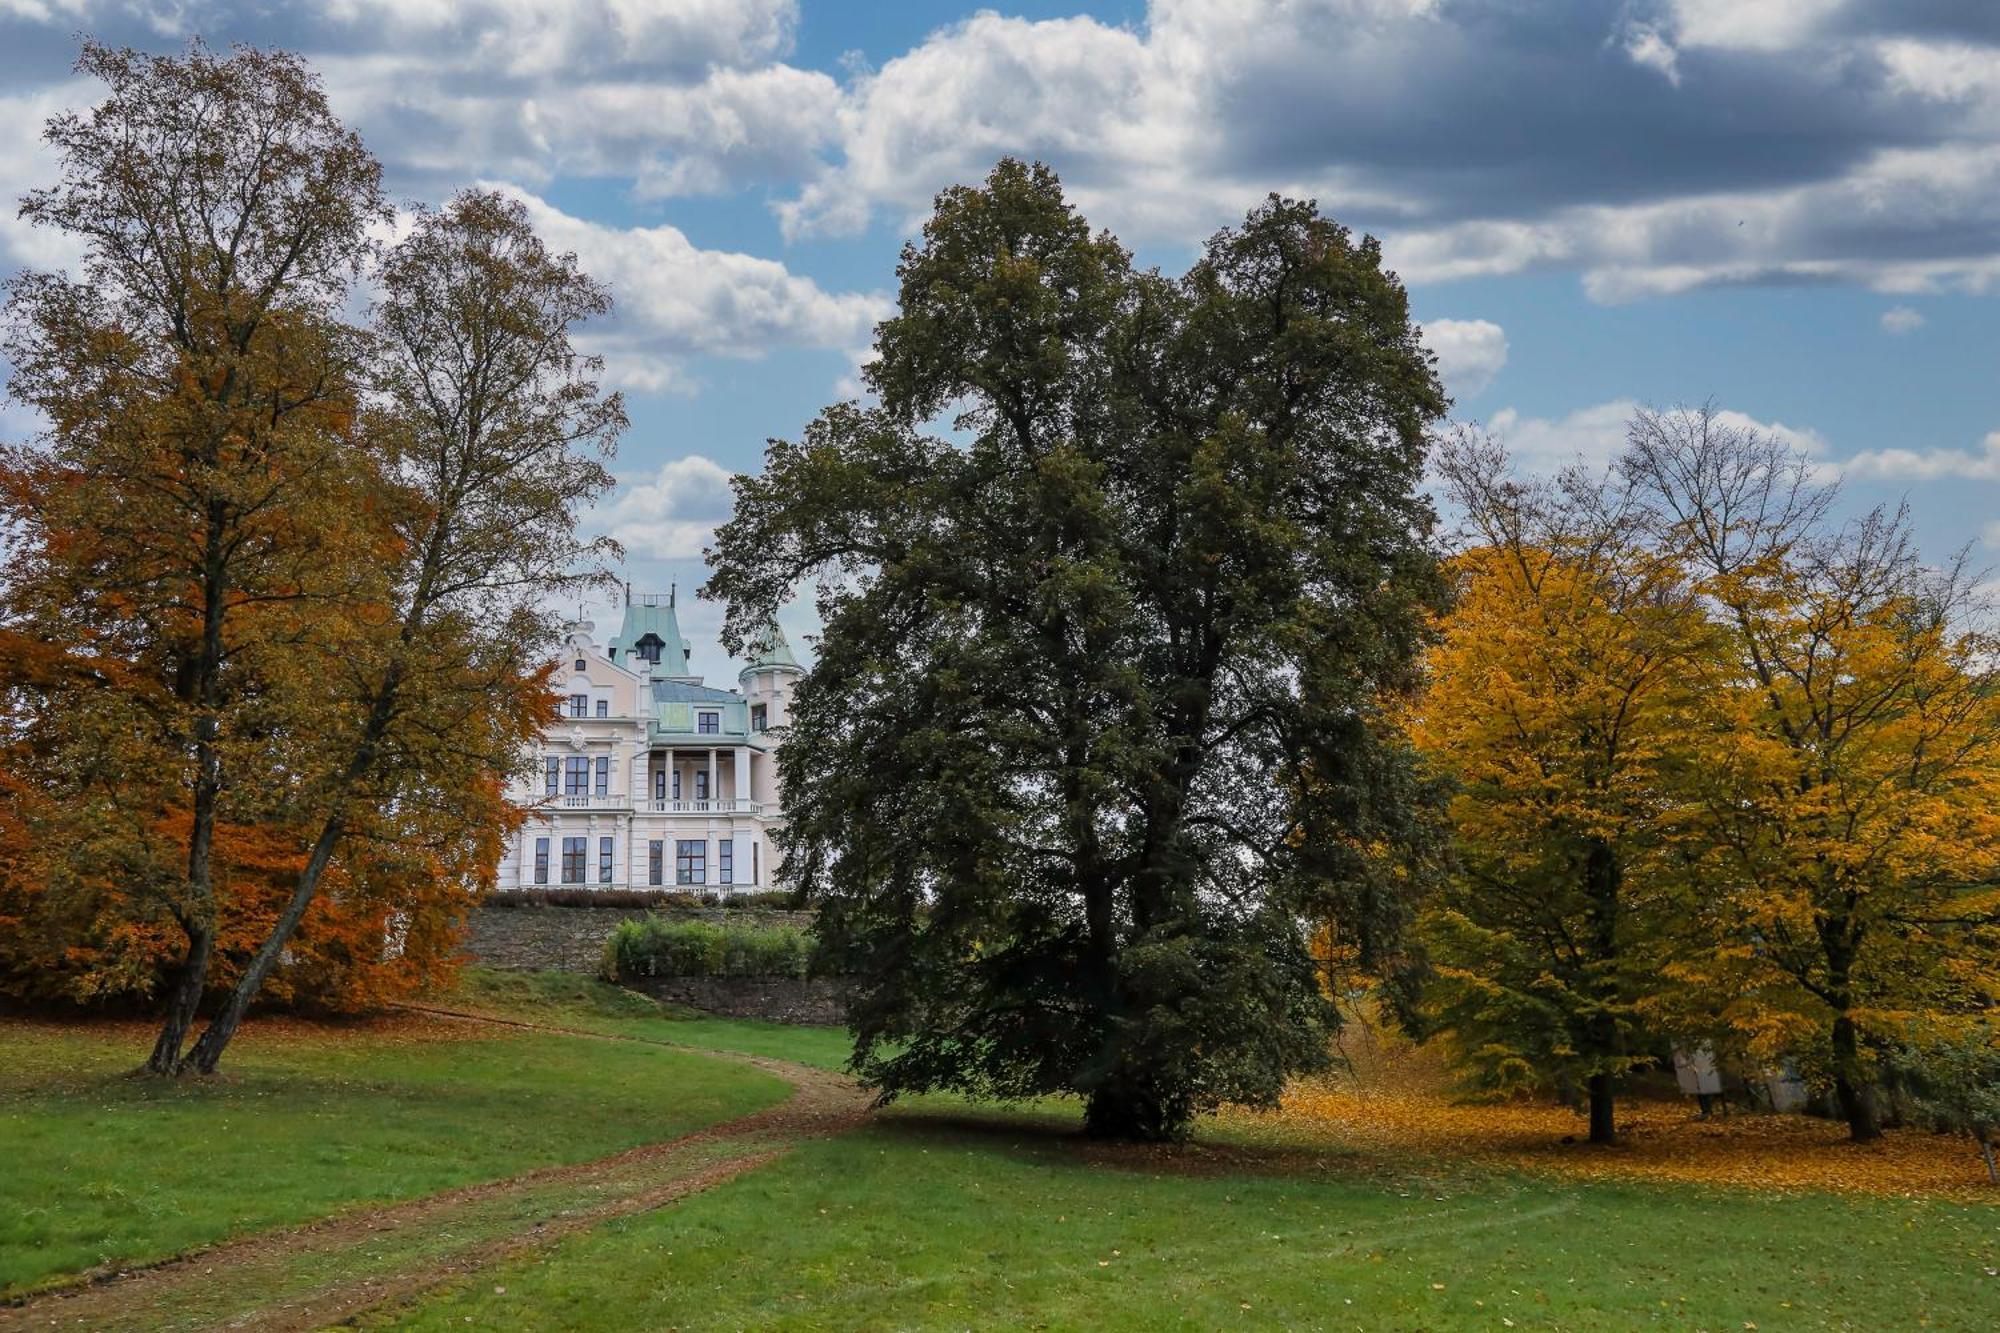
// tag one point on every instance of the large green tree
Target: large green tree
(1089, 754)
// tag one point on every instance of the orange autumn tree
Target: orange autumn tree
(1558, 699)
(192, 508)
(272, 634)
(1849, 790)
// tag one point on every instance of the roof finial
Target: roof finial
(673, 591)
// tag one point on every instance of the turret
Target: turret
(768, 680)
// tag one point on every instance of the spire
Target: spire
(769, 649)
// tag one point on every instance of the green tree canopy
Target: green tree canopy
(1089, 752)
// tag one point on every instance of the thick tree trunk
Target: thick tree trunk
(1603, 1110)
(1851, 1087)
(1130, 1105)
(190, 979)
(207, 1052)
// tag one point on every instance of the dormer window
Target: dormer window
(648, 647)
(707, 724)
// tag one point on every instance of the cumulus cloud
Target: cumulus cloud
(1470, 353)
(671, 514)
(677, 300)
(1654, 147)
(1981, 464)
(1899, 320)
(1593, 436)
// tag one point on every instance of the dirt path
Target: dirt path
(337, 1269)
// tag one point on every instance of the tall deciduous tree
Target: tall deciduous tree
(1090, 736)
(495, 435)
(1852, 803)
(1560, 698)
(192, 507)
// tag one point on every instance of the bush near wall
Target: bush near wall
(654, 946)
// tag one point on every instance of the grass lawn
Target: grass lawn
(566, 999)
(923, 1223)
(100, 1167)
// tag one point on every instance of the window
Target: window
(603, 775)
(576, 776)
(604, 708)
(701, 784)
(582, 665)
(656, 857)
(690, 861)
(552, 774)
(708, 724)
(541, 860)
(757, 716)
(574, 850)
(659, 784)
(677, 784)
(648, 647)
(753, 863)
(725, 861)
(604, 860)
(579, 705)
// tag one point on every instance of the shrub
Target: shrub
(654, 946)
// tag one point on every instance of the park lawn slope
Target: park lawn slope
(566, 999)
(922, 1223)
(310, 1119)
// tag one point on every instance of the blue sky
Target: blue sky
(1789, 206)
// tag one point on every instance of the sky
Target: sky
(1789, 207)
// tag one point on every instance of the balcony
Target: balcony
(587, 802)
(725, 806)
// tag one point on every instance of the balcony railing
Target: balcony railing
(587, 802)
(725, 806)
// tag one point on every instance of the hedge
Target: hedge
(653, 946)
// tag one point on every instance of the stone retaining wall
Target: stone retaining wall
(571, 939)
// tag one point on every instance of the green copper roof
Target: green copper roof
(652, 614)
(769, 649)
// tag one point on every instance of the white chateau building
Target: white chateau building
(653, 779)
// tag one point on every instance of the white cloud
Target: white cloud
(677, 300)
(25, 164)
(1470, 353)
(672, 514)
(1991, 535)
(1645, 46)
(1591, 436)
(1899, 320)
(1594, 436)
(1982, 464)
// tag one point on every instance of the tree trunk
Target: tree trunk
(1851, 1086)
(207, 1052)
(1130, 1105)
(1603, 1110)
(182, 1002)
(1986, 1151)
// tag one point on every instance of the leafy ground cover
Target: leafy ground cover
(991, 1221)
(102, 1168)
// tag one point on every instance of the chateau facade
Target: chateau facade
(653, 779)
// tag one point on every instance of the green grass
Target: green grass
(921, 1224)
(566, 999)
(100, 1167)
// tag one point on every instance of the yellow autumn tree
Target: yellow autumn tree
(1557, 698)
(1847, 806)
